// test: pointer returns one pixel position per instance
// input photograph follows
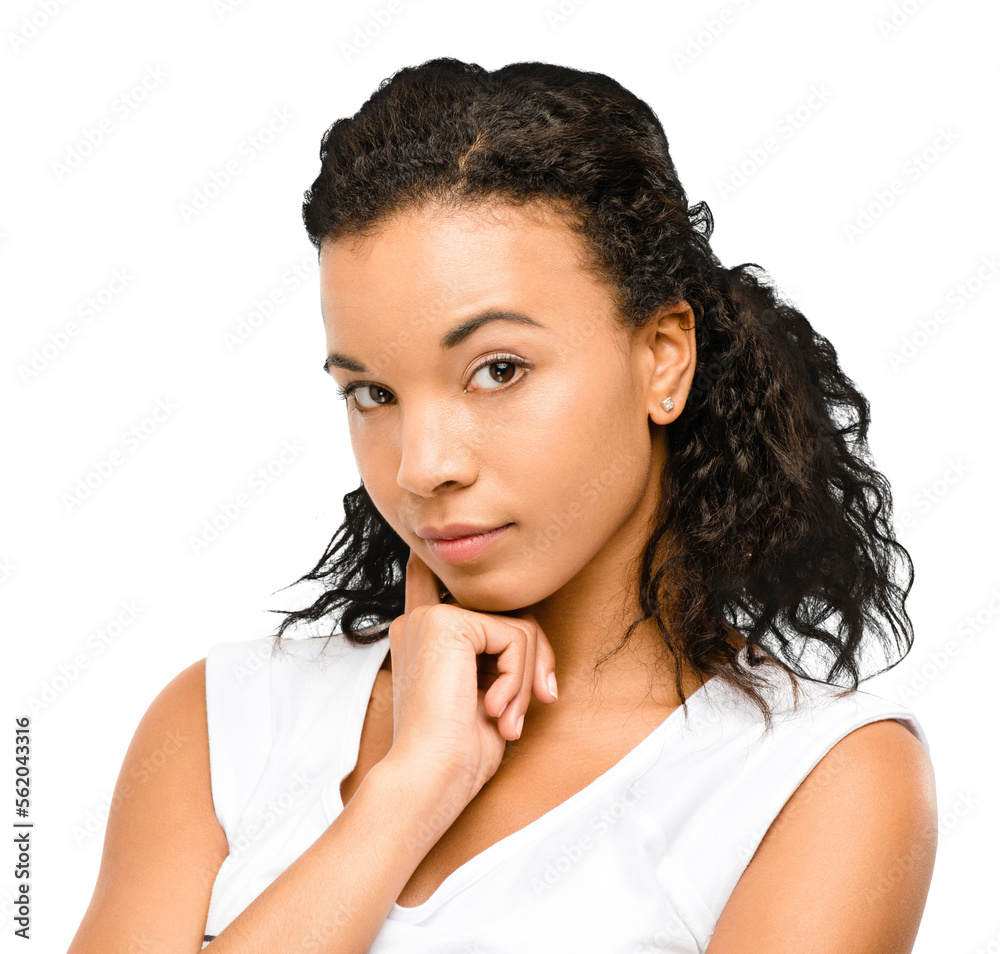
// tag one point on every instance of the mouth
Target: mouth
(455, 531)
(460, 549)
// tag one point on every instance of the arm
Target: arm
(334, 898)
(846, 865)
(164, 846)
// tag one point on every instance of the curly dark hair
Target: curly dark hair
(773, 522)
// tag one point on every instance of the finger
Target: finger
(504, 643)
(523, 698)
(422, 586)
(545, 662)
(510, 644)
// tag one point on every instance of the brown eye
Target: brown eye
(499, 371)
(368, 390)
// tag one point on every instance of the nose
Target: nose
(435, 450)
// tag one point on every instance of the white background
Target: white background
(721, 75)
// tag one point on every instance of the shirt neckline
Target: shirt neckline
(648, 751)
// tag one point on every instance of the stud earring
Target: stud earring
(668, 403)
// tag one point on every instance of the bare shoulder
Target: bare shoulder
(846, 866)
(164, 844)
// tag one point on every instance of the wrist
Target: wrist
(433, 798)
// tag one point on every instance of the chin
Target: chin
(483, 605)
(484, 602)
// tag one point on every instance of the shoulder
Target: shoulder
(184, 695)
(173, 725)
(163, 845)
(167, 763)
(846, 864)
(879, 773)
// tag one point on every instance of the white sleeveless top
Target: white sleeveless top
(642, 860)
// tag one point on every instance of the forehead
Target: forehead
(446, 261)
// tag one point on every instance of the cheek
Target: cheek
(584, 417)
(378, 473)
(583, 459)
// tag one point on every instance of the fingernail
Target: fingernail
(517, 728)
(552, 684)
(504, 706)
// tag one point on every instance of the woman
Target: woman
(590, 452)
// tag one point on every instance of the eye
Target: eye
(359, 387)
(507, 364)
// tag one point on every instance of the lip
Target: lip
(462, 549)
(454, 531)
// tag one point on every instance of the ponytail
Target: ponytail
(781, 522)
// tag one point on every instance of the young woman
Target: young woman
(617, 565)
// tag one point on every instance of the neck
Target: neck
(586, 619)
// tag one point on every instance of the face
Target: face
(489, 385)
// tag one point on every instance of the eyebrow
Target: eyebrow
(451, 339)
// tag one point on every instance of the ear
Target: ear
(667, 348)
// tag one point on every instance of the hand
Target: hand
(461, 680)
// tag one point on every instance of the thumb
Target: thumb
(422, 586)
